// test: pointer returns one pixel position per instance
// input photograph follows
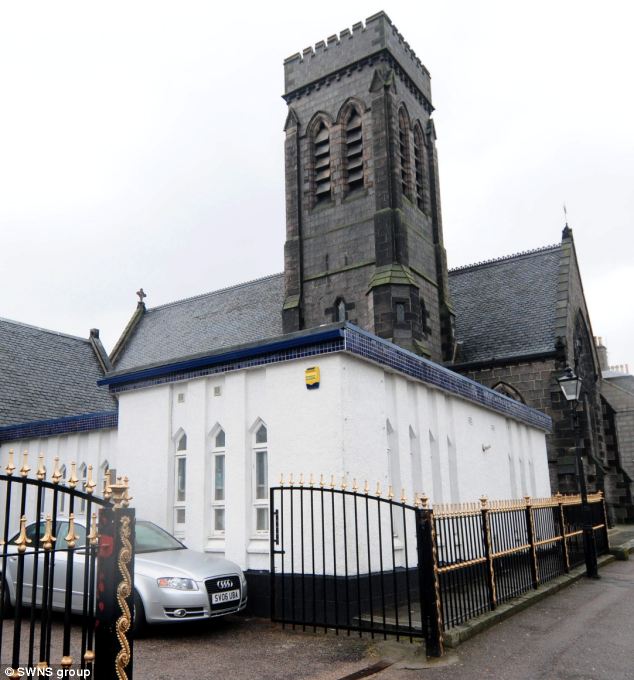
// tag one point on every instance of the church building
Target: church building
(364, 360)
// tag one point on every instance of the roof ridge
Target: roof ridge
(502, 258)
(44, 330)
(214, 292)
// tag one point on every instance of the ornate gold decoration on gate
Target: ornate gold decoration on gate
(119, 491)
(10, 465)
(48, 539)
(22, 540)
(41, 468)
(57, 473)
(73, 479)
(93, 536)
(124, 589)
(71, 537)
(107, 489)
(66, 662)
(90, 484)
(25, 469)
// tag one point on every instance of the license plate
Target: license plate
(227, 596)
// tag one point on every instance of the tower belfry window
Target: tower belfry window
(322, 162)
(403, 148)
(419, 155)
(353, 156)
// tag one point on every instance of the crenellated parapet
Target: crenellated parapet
(352, 49)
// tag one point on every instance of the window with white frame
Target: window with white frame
(180, 485)
(62, 496)
(218, 491)
(83, 475)
(261, 479)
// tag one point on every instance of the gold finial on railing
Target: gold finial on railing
(424, 501)
(57, 473)
(9, 469)
(25, 469)
(378, 489)
(71, 536)
(22, 540)
(66, 662)
(321, 480)
(344, 483)
(89, 656)
(120, 496)
(89, 484)
(93, 536)
(332, 482)
(311, 481)
(282, 479)
(403, 496)
(528, 501)
(73, 479)
(355, 486)
(48, 539)
(366, 488)
(41, 468)
(290, 480)
(390, 492)
(484, 503)
(107, 489)
(301, 479)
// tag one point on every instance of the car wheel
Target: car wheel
(7, 609)
(138, 616)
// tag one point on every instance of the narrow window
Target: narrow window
(341, 310)
(353, 153)
(400, 312)
(83, 475)
(261, 480)
(403, 147)
(419, 156)
(62, 496)
(424, 318)
(218, 496)
(180, 485)
(321, 151)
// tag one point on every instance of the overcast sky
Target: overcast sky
(141, 144)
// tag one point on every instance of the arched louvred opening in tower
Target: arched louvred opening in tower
(419, 167)
(321, 151)
(403, 148)
(353, 155)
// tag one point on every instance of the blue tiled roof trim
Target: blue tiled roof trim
(345, 337)
(86, 422)
(385, 353)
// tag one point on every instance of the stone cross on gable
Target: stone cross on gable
(141, 294)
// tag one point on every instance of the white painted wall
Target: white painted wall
(95, 448)
(345, 427)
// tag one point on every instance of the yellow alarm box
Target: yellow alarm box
(312, 377)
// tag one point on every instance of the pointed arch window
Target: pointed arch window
(180, 485)
(218, 493)
(403, 148)
(419, 168)
(83, 476)
(261, 479)
(321, 154)
(353, 152)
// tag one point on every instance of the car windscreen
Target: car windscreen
(150, 538)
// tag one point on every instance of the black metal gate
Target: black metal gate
(67, 573)
(352, 560)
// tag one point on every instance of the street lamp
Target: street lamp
(571, 387)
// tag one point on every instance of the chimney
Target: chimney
(602, 353)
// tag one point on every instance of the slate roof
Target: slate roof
(46, 375)
(506, 308)
(248, 312)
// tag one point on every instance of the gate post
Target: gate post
(562, 529)
(115, 587)
(429, 587)
(530, 528)
(488, 551)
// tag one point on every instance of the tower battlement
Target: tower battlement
(338, 52)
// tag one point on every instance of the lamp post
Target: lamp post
(570, 385)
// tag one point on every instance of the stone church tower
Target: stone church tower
(363, 223)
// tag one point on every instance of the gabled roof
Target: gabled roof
(248, 312)
(506, 308)
(45, 375)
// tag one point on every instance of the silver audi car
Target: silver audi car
(171, 582)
